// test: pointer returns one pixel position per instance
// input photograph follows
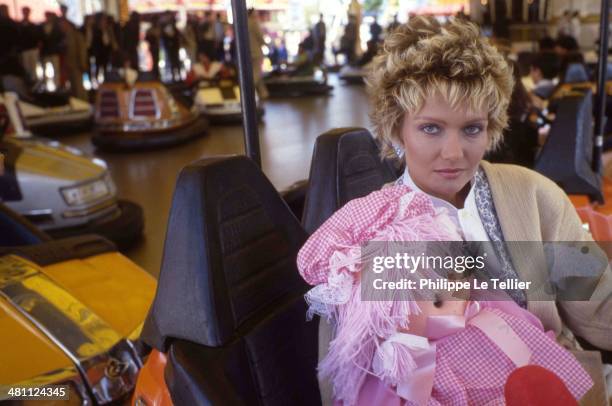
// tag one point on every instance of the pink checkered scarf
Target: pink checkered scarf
(330, 259)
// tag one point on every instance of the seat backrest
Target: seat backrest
(229, 284)
(229, 256)
(567, 155)
(575, 73)
(345, 165)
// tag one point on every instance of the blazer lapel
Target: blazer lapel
(518, 218)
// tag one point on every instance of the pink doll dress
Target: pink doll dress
(460, 360)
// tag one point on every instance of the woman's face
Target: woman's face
(443, 147)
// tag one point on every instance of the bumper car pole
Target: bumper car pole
(602, 63)
(245, 75)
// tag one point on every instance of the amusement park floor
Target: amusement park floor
(287, 134)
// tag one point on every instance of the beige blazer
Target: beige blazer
(531, 207)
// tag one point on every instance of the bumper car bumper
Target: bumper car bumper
(353, 76)
(223, 117)
(124, 229)
(289, 88)
(58, 124)
(135, 140)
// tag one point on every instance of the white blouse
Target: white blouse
(467, 219)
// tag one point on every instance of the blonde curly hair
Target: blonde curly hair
(423, 58)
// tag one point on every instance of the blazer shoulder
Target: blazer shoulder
(525, 179)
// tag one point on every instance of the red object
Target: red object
(533, 385)
(151, 389)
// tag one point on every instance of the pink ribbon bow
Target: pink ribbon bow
(417, 385)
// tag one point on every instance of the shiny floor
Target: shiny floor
(287, 136)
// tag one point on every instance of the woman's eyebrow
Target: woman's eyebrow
(439, 120)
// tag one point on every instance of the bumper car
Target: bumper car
(219, 101)
(58, 321)
(142, 115)
(51, 114)
(290, 84)
(61, 190)
(353, 73)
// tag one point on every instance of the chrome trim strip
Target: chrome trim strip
(90, 210)
(148, 125)
(106, 363)
(75, 360)
(38, 212)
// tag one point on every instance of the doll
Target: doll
(416, 352)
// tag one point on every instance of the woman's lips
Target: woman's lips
(449, 173)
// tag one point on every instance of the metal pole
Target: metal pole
(245, 74)
(602, 64)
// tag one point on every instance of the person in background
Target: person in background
(52, 46)
(153, 37)
(566, 45)
(172, 43)
(75, 58)
(575, 25)
(302, 65)
(256, 41)
(131, 39)
(393, 24)
(278, 53)
(190, 37)
(219, 29)
(206, 33)
(546, 44)
(462, 15)
(563, 25)
(369, 54)
(88, 31)
(205, 68)
(544, 70)
(103, 44)
(348, 40)
(9, 60)
(30, 40)
(320, 35)
(308, 44)
(375, 31)
(63, 13)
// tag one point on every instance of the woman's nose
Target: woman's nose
(452, 148)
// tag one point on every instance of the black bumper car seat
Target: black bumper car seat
(229, 308)
(567, 155)
(345, 165)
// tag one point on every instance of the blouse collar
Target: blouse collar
(406, 180)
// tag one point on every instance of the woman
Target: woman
(440, 97)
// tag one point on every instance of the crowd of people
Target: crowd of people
(102, 44)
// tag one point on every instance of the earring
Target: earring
(399, 149)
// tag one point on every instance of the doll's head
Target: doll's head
(437, 300)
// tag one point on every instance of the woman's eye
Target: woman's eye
(472, 130)
(430, 129)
